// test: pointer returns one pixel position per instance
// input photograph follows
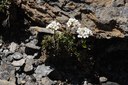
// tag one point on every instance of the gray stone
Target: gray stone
(110, 83)
(1, 50)
(5, 50)
(0, 44)
(28, 68)
(30, 56)
(88, 1)
(10, 58)
(20, 78)
(34, 41)
(39, 1)
(47, 81)
(32, 46)
(22, 49)
(37, 76)
(30, 83)
(29, 65)
(108, 14)
(17, 68)
(18, 63)
(103, 79)
(42, 70)
(117, 3)
(4, 75)
(5, 82)
(1, 41)
(35, 30)
(7, 72)
(17, 56)
(13, 46)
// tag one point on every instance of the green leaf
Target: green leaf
(84, 44)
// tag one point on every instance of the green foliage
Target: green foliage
(64, 44)
(3, 5)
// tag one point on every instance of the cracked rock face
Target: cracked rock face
(100, 15)
(24, 63)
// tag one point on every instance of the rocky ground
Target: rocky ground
(23, 62)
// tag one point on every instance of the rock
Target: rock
(38, 62)
(37, 76)
(13, 46)
(103, 79)
(23, 82)
(30, 56)
(5, 51)
(18, 63)
(36, 29)
(21, 78)
(5, 82)
(32, 46)
(85, 83)
(31, 49)
(110, 83)
(30, 83)
(29, 65)
(117, 3)
(88, 9)
(126, 1)
(34, 41)
(62, 19)
(47, 81)
(10, 58)
(39, 1)
(42, 70)
(17, 56)
(71, 5)
(17, 68)
(28, 68)
(21, 48)
(1, 42)
(90, 84)
(1, 50)
(29, 61)
(4, 75)
(7, 72)
(88, 1)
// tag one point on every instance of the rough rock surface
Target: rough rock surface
(22, 61)
(4, 82)
(107, 18)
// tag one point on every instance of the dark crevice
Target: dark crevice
(112, 64)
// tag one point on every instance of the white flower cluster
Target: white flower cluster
(54, 25)
(84, 32)
(73, 23)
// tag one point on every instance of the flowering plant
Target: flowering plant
(54, 25)
(72, 22)
(66, 42)
(84, 32)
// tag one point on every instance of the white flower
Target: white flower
(54, 25)
(84, 32)
(73, 23)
